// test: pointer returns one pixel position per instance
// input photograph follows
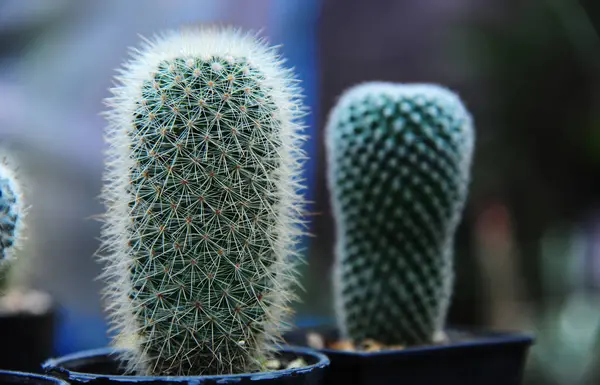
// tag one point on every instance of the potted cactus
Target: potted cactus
(26, 315)
(20, 378)
(203, 216)
(399, 161)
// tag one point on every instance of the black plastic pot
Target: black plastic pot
(101, 366)
(20, 378)
(470, 358)
(26, 340)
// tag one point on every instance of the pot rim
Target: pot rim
(54, 366)
(482, 338)
(37, 376)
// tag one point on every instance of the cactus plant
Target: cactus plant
(203, 204)
(12, 212)
(398, 170)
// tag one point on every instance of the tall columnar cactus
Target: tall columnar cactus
(398, 169)
(203, 204)
(12, 212)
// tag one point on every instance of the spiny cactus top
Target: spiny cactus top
(11, 214)
(203, 204)
(398, 168)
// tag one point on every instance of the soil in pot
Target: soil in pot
(27, 321)
(297, 366)
(462, 357)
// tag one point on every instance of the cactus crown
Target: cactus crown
(12, 213)
(203, 204)
(398, 170)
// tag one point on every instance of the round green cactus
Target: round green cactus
(11, 214)
(203, 204)
(398, 168)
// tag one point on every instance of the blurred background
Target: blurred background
(528, 250)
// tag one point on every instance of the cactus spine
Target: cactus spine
(12, 212)
(203, 205)
(398, 169)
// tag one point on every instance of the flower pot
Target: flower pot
(26, 333)
(101, 366)
(20, 378)
(473, 358)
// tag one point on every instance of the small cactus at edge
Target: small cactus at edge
(398, 170)
(11, 214)
(203, 203)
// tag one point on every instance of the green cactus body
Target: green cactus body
(11, 215)
(398, 163)
(203, 208)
